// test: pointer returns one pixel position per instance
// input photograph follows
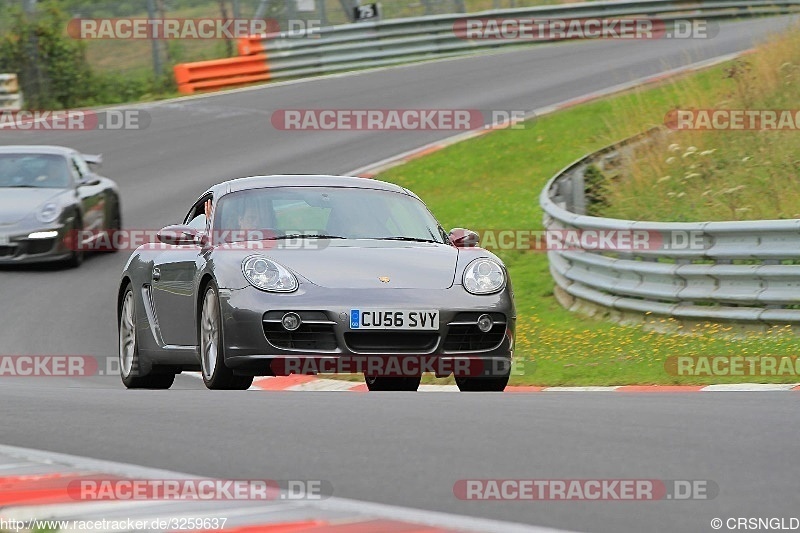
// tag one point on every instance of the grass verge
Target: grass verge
(494, 182)
(716, 174)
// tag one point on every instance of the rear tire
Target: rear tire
(129, 351)
(381, 383)
(216, 375)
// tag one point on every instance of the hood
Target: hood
(18, 203)
(341, 265)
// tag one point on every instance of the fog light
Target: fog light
(43, 235)
(291, 321)
(485, 323)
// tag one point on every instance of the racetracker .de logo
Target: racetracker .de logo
(377, 119)
(397, 365)
(535, 29)
(584, 489)
(177, 28)
(65, 366)
(733, 119)
(590, 240)
(221, 240)
(75, 120)
(115, 489)
(732, 365)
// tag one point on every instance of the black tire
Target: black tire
(113, 226)
(76, 258)
(381, 383)
(216, 375)
(129, 369)
(493, 384)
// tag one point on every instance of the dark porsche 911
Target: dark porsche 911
(268, 271)
(49, 196)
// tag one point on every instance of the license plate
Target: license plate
(394, 319)
(5, 240)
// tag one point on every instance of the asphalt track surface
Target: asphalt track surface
(401, 449)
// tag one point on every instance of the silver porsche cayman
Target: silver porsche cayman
(276, 275)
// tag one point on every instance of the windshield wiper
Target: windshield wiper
(411, 239)
(307, 236)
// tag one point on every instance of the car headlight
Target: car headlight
(484, 276)
(267, 275)
(48, 213)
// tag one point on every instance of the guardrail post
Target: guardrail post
(578, 186)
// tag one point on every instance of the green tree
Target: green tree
(51, 66)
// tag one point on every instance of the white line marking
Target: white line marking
(431, 518)
(438, 388)
(324, 385)
(749, 387)
(68, 510)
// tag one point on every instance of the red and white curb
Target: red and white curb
(304, 383)
(311, 383)
(34, 487)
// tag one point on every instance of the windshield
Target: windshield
(41, 171)
(326, 212)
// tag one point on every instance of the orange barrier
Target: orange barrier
(221, 73)
(248, 46)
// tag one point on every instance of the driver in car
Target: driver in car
(54, 175)
(248, 222)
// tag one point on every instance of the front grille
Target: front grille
(311, 337)
(315, 333)
(38, 246)
(391, 341)
(463, 334)
(7, 251)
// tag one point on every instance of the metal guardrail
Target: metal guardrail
(372, 44)
(746, 271)
(10, 95)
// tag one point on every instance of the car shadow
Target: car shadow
(49, 266)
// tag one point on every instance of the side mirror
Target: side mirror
(463, 238)
(179, 235)
(89, 182)
(96, 160)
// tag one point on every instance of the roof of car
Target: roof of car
(301, 180)
(36, 149)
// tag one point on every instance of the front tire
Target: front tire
(381, 383)
(216, 375)
(76, 257)
(129, 364)
(113, 227)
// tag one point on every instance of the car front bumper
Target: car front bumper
(255, 339)
(17, 246)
